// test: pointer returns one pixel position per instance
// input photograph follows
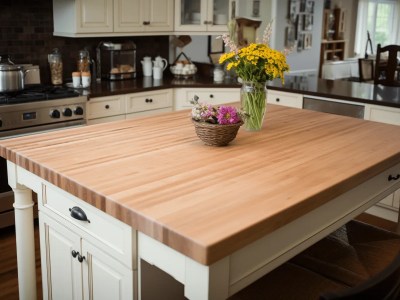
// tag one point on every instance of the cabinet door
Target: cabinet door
(104, 277)
(147, 101)
(128, 15)
(190, 15)
(62, 278)
(160, 15)
(218, 15)
(383, 114)
(94, 16)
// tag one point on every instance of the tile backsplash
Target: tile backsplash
(26, 33)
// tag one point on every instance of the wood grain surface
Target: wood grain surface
(206, 202)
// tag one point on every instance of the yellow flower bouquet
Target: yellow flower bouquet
(255, 64)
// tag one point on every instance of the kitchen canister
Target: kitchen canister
(147, 66)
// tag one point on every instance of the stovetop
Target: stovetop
(33, 93)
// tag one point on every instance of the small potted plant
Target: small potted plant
(216, 126)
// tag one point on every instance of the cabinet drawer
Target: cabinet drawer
(148, 113)
(106, 107)
(383, 114)
(210, 96)
(148, 101)
(113, 236)
(286, 99)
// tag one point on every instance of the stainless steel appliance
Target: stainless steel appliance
(36, 109)
(116, 61)
(334, 107)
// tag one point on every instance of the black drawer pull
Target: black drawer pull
(74, 253)
(107, 106)
(277, 99)
(391, 177)
(79, 214)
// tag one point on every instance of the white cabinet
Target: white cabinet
(105, 109)
(112, 17)
(384, 114)
(143, 15)
(82, 259)
(202, 15)
(284, 98)
(208, 95)
(147, 103)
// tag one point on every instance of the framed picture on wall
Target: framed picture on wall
(294, 6)
(308, 21)
(307, 41)
(290, 38)
(310, 6)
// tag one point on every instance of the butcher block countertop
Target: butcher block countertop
(207, 202)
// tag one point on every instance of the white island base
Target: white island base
(112, 256)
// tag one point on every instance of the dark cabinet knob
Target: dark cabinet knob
(74, 253)
(67, 112)
(146, 22)
(107, 106)
(148, 100)
(78, 111)
(277, 99)
(79, 214)
(211, 96)
(80, 258)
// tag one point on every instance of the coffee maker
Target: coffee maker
(116, 61)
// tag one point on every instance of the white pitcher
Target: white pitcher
(147, 66)
(160, 62)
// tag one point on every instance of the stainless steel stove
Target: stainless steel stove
(39, 108)
(36, 109)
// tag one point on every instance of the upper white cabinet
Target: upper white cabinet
(112, 17)
(202, 15)
(143, 15)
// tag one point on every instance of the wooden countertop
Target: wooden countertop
(156, 175)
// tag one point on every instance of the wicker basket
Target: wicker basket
(215, 134)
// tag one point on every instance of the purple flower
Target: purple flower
(227, 115)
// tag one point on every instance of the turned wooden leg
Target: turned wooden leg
(24, 232)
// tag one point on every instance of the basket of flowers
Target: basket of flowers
(216, 126)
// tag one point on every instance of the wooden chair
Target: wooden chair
(387, 71)
(366, 70)
(385, 286)
(356, 260)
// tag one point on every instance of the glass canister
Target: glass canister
(56, 67)
(83, 63)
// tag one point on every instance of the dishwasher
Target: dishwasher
(334, 107)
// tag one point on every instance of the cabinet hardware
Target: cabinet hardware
(146, 22)
(80, 258)
(107, 106)
(74, 253)
(391, 177)
(148, 100)
(79, 214)
(277, 99)
(211, 96)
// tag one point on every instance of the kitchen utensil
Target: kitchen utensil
(147, 66)
(56, 67)
(160, 62)
(12, 77)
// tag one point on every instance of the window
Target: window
(381, 19)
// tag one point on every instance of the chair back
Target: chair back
(366, 69)
(387, 71)
(383, 286)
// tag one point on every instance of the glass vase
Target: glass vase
(253, 102)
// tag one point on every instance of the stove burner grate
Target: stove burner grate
(37, 93)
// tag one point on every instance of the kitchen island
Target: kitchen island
(216, 219)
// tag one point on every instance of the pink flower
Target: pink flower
(227, 115)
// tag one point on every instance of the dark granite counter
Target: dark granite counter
(340, 89)
(306, 85)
